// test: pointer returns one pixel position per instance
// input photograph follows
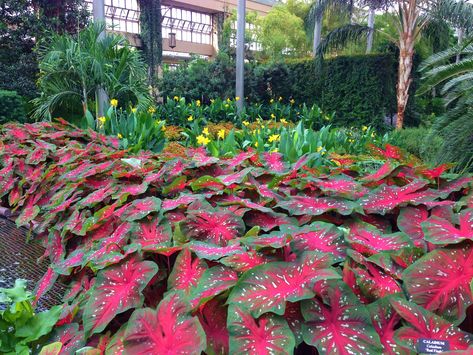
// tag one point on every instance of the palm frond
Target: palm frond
(458, 13)
(340, 37)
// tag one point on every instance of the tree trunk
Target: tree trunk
(406, 55)
(317, 35)
(369, 41)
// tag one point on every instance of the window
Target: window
(121, 15)
(190, 26)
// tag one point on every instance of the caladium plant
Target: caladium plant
(250, 254)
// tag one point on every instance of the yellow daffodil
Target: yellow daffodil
(319, 149)
(152, 109)
(221, 134)
(246, 123)
(351, 140)
(273, 116)
(228, 99)
(256, 144)
(119, 136)
(292, 101)
(274, 138)
(271, 101)
(190, 118)
(280, 98)
(364, 128)
(197, 103)
(237, 98)
(206, 131)
(134, 109)
(202, 140)
(283, 120)
(163, 128)
(102, 119)
(373, 134)
(114, 102)
(176, 98)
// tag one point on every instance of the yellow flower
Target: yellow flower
(197, 103)
(119, 136)
(206, 131)
(237, 98)
(364, 128)
(134, 109)
(212, 101)
(246, 123)
(256, 144)
(283, 120)
(114, 102)
(176, 98)
(190, 118)
(228, 99)
(327, 118)
(280, 98)
(227, 105)
(273, 116)
(102, 119)
(319, 149)
(337, 163)
(274, 138)
(202, 140)
(152, 109)
(372, 135)
(221, 134)
(351, 140)
(292, 101)
(275, 150)
(271, 101)
(163, 128)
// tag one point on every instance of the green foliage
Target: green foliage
(151, 35)
(20, 327)
(417, 141)
(12, 107)
(72, 67)
(281, 33)
(361, 89)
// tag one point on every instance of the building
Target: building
(193, 23)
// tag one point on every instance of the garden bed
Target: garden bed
(249, 254)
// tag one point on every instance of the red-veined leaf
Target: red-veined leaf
(314, 206)
(186, 272)
(440, 231)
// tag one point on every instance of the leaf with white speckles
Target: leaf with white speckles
(267, 287)
(440, 231)
(314, 206)
(141, 208)
(170, 329)
(440, 281)
(339, 323)
(186, 272)
(270, 334)
(116, 289)
(421, 323)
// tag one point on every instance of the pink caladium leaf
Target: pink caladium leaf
(69, 335)
(318, 236)
(215, 226)
(186, 272)
(385, 320)
(97, 196)
(293, 316)
(152, 234)
(74, 259)
(382, 172)
(177, 185)
(213, 318)
(387, 197)
(274, 162)
(440, 281)
(340, 186)
(169, 329)
(410, 220)
(275, 240)
(27, 215)
(455, 185)
(235, 178)
(183, 200)
(116, 289)
(239, 159)
(45, 284)
(213, 281)
(270, 334)
(267, 287)
(314, 206)
(338, 323)
(422, 324)
(266, 220)
(141, 208)
(243, 261)
(212, 251)
(369, 240)
(207, 183)
(440, 231)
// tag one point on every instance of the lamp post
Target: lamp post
(240, 55)
(101, 96)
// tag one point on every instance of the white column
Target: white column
(100, 94)
(240, 55)
(369, 41)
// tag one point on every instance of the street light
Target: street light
(172, 40)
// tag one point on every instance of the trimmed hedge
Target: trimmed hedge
(12, 107)
(360, 89)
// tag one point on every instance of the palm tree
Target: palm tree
(411, 18)
(73, 66)
(456, 81)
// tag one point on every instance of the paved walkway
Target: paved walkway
(18, 260)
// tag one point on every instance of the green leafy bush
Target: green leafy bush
(12, 107)
(419, 142)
